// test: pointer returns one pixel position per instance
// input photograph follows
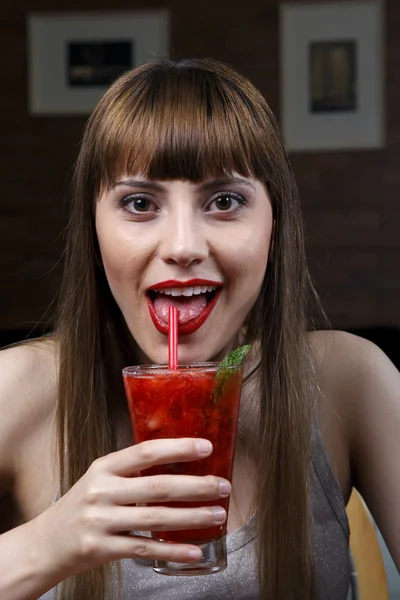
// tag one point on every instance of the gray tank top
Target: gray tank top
(330, 538)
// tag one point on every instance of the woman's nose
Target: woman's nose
(183, 241)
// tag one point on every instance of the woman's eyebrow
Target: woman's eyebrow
(204, 186)
(214, 183)
(139, 183)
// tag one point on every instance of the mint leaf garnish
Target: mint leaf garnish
(234, 358)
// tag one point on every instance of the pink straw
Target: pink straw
(173, 337)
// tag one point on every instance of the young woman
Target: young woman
(182, 176)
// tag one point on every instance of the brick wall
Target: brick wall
(350, 199)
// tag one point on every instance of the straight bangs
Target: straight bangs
(180, 122)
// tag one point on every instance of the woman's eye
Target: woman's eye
(227, 202)
(137, 204)
(224, 203)
(141, 204)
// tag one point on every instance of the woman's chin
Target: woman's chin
(191, 349)
(185, 355)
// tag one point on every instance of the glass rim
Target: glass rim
(182, 368)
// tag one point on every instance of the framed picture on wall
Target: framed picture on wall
(332, 75)
(74, 57)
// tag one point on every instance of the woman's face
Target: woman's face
(202, 247)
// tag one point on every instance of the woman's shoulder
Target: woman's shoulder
(354, 375)
(346, 362)
(360, 406)
(29, 367)
(362, 386)
(28, 391)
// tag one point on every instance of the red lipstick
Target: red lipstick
(191, 282)
(195, 323)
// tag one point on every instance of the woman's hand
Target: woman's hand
(88, 526)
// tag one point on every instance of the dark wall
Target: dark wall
(351, 203)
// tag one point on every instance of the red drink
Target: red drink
(192, 401)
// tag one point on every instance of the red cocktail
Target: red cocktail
(198, 401)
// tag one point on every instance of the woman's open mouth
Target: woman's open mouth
(194, 302)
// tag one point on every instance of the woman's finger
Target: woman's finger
(168, 488)
(144, 548)
(141, 456)
(164, 518)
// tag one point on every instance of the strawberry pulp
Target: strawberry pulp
(185, 403)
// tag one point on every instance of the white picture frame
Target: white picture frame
(52, 37)
(321, 37)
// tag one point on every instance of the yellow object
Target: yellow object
(367, 556)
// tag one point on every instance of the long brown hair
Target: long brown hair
(192, 119)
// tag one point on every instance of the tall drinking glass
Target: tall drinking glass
(199, 400)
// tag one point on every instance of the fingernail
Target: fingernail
(195, 554)
(204, 446)
(219, 514)
(224, 488)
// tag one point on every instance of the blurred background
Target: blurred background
(350, 196)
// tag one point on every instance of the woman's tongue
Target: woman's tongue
(189, 307)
